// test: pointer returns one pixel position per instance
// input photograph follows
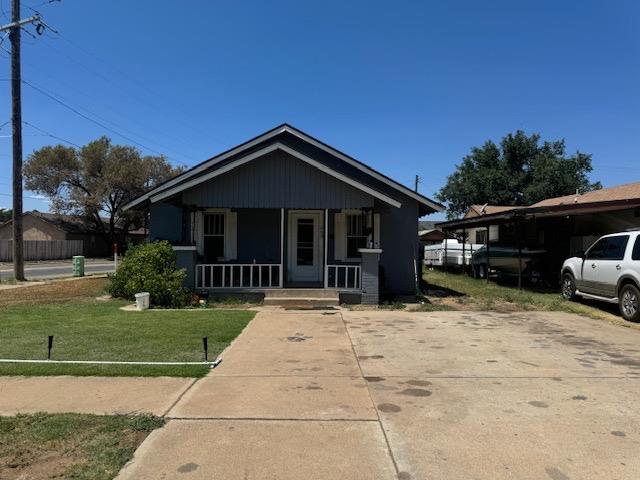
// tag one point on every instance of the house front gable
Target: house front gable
(305, 149)
(277, 179)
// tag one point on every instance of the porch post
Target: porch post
(370, 281)
(326, 247)
(281, 248)
(464, 252)
(519, 233)
(488, 252)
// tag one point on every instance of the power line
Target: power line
(51, 134)
(92, 120)
(102, 119)
(25, 196)
(91, 98)
(115, 125)
(121, 74)
(47, 2)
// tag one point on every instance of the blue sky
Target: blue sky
(407, 87)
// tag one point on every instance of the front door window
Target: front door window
(305, 241)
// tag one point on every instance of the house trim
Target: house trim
(252, 156)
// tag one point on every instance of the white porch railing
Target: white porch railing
(345, 277)
(238, 275)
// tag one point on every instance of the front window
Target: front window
(481, 236)
(356, 237)
(214, 236)
(609, 248)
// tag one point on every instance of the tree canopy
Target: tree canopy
(5, 214)
(522, 170)
(96, 180)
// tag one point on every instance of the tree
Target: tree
(96, 181)
(5, 215)
(521, 171)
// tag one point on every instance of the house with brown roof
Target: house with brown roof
(55, 228)
(479, 234)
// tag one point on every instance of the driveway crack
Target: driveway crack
(379, 421)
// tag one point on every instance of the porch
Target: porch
(258, 250)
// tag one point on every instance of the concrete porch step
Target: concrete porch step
(302, 293)
(301, 302)
(302, 297)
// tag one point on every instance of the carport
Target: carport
(562, 226)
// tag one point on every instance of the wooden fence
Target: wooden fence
(42, 249)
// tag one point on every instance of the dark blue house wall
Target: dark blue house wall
(165, 222)
(399, 243)
(276, 180)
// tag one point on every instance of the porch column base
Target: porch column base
(186, 258)
(370, 277)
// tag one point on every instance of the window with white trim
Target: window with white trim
(356, 234)
(214, 224)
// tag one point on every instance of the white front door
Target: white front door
(305, 246)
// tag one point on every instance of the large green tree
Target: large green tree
(522, 170)
(95, 181)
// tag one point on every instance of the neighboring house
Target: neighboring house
(431, 236)
(53, 227)
(561, 226)
(286, 210)
(479, 235)
(57, 229)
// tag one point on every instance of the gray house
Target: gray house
(285, 210)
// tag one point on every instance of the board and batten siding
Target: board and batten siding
(276, 180)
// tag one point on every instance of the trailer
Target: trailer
(434, 255)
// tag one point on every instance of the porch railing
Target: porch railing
(345, 277)
(238, 275)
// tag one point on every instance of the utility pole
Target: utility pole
(16, 120)
(417, 182)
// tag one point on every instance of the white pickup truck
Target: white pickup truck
(609, 271)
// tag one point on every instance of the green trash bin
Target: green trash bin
(78, 266)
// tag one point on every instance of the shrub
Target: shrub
(151, 267)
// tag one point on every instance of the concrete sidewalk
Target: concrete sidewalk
(97, 395)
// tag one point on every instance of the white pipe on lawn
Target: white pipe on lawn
(107, 362)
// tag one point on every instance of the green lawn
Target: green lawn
(82, 447)
(91, 330)
(466, 292)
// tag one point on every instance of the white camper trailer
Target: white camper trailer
(434, 254)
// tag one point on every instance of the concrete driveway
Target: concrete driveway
(384, 395)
